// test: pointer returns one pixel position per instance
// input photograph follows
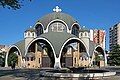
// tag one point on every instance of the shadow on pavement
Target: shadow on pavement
(30, 74)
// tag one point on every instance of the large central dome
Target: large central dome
(45, 20)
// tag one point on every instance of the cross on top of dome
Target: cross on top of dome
(57, 9)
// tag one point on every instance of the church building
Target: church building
(57, 40)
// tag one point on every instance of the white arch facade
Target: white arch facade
(105, 57)
(47, 42)
(66, 43)
(6, 60)
(76, 39)
(39, 39)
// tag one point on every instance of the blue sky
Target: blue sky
(94, 14)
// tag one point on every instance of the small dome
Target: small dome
(84, 30)
(30, 54)
(45, 20)
(30, 29)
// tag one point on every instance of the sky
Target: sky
(93, 14)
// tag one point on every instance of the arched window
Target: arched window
(33, 34)
(32, 59)
(57, 27)
(85, 34)
(28, 33)
(75, 30)
(27, 58)
(81, 34)
(39, 29)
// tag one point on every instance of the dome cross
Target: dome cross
(57, 9)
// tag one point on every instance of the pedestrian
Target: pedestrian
(12, 65)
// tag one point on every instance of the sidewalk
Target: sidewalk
(5, 68)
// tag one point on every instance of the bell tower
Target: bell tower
(29, 35)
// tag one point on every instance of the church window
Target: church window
(39, 60)
(81, 34)
(85, 33)
(28, 33)
(75, 30)
(39, 29)
(32, 34)
(57, 27)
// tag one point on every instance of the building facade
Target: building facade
(56, 40)
(114, 36)
(99, 37)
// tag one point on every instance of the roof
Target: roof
(30, 29)
(21, 46)
(57, 40)
(45, 20)
(30, 54)
(84, 30)
(83, 54)
(91, 48)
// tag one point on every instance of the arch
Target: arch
(39, 38)
(44, 41)
(80, 34)
(37, 25)
(73, 38)
(69, 41)
(75, 24)
(75, 27)
(13, 46)
(104, 54)
(40, 24)
(59, 21)
(57, 26)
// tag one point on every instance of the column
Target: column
(78, 54)
(19, 60)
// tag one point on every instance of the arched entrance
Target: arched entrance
(71, 52)
(42, 53)
(15, 55)
(99, 57)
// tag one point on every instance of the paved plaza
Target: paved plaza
(33, 74)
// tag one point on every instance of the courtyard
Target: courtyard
(34, 74)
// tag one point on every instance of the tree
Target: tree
(97, 57)
(2, 58)
(12, 57)
(14, 4)
(114, 58)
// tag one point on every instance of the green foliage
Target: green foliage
(12, 57)
(14, 4)
(97, 57)
(115, 56)
(3, 54)
(2, 60)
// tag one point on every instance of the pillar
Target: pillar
(19, 60)
(57, 64)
